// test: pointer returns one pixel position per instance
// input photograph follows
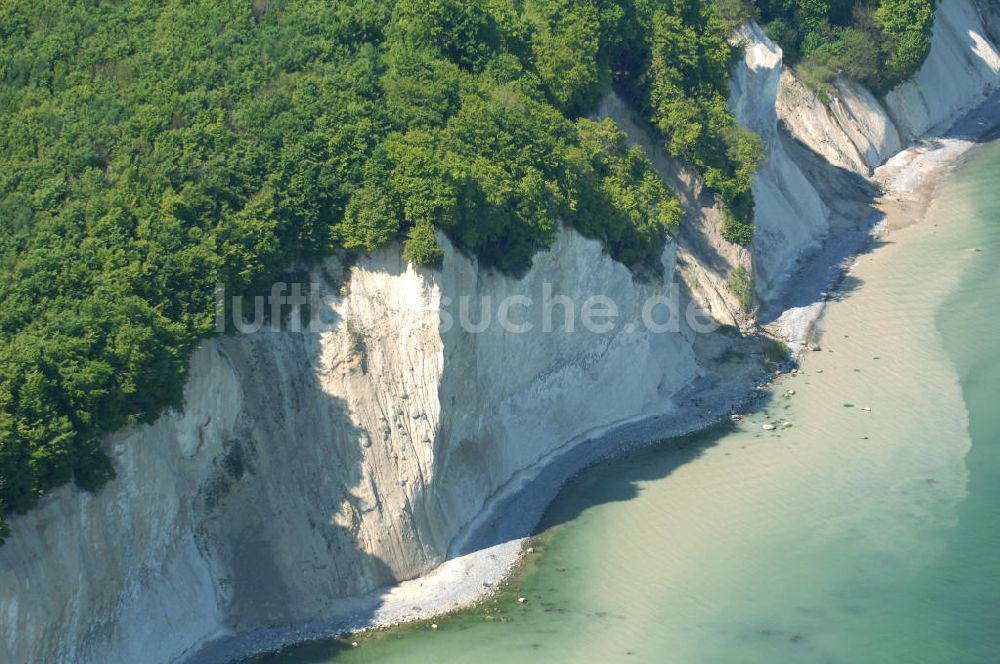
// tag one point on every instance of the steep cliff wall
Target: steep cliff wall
(962, 69)
(855, 131)
(851, 130)
(101, 577)
(790, 217)
(803, 190)
(311, 466)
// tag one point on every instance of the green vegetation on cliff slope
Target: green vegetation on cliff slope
(878, 42)
(152, 149)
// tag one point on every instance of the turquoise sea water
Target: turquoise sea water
(855, 535)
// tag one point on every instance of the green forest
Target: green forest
(154, 148)
(880, 43)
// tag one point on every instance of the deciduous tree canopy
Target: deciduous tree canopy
(878, 42)
(152, 148)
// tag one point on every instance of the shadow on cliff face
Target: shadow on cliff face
(277, 517)
(982, 124)
(851, 200)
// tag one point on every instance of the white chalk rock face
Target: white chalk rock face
(313, 466)
(850, 130)
(509, 399)
(790, 217)
(119, 576)
(865, 124)
(962, 69)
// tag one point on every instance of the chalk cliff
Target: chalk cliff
(307, 466)
(960, 72)
(790, 217)
(801, 191)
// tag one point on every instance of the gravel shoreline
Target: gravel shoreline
(491, 549)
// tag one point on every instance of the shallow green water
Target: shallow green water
(853, 536)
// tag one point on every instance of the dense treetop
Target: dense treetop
(154, 148)
(878, 42)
